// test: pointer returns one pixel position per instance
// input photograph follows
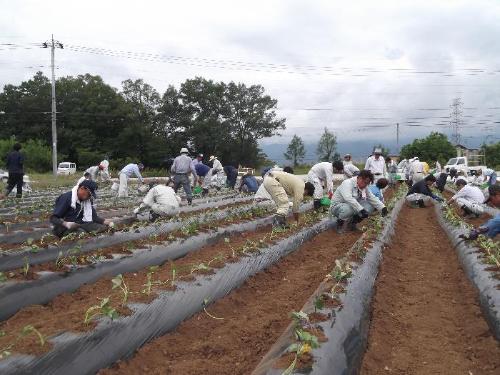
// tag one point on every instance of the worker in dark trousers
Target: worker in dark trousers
(231, 176)
(15, 167)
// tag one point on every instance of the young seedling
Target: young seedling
(172, 267)
(205, 304)
(26, 266)
(119, 282)
(104, 308)
(3, 278)
(319, 303)
(233, 252)
(199, 267)
(149, 282)
(27, 330)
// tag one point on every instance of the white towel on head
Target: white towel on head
(86, 205)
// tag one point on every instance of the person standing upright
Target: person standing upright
(181, 168)
(15, 167)
(376, 165)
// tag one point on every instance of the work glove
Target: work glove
(363, 214)
(474, 234)
(109, 223)
(439, 199)
(384, 212)
(69, 224)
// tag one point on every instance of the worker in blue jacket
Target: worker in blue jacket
(15, 167)
(492, 227)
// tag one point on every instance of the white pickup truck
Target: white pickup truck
(461, 164)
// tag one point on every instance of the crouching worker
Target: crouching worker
(420, 193)
(492, 227)
(160, 200)
(321, 174)
(74, 211)
(280, 185)
(469, 198)
(353, 202)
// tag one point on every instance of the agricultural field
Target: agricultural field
(217, 290)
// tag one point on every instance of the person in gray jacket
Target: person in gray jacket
(353, 202)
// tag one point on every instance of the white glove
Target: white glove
(137, 210)
(109, 223)
(69, 224)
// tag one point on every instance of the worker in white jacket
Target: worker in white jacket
(349, 170)
(376, 165)
(320, 175)
(216, 169)
(469, 198)
(161, 200)
(352, 201)
(416, 172)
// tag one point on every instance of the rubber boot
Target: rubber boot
(354, 221)
(204, 192)
(340, 226)
(421, 203)
(317, 204)
(280, 222)
(153, 216)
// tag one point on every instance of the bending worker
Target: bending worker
(248, 183)
(127, 172)
(181, 168)
(348, 169)
(420, 193)
(161, 200)
(352, 202)
(216, 169)
(280, 185)
(492, 227)
(74, 211)
(321, 174)
(469, 198)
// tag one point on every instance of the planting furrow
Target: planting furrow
(15, 296)
(330, 329)
(119, 338)
(38, 255)
(426, 317)
(482, 266)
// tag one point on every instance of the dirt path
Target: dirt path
(426, 316)
(255, 315)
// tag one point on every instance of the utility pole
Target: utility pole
(397, 138)
(456, 120)
(53, 45)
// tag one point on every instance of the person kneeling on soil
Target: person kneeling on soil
(74, 211)
(280, 185)
(377, 188)
(469, 198)
(420, 193)
(492, 227)
(321, 174)
(353, 201)
(161, 200)
(248, 184)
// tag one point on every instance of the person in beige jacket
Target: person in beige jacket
(280, 185)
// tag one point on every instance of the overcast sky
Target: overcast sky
(356, 67)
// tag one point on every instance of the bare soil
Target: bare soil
(66, 312)
(426, 317)
(255, 315)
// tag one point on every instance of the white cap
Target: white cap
(212, 158)
(184, 150)
(378, 150)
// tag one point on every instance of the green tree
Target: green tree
(326, 146)
(492, 153)
(434, 147)
(295, 151)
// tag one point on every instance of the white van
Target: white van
(66, 168)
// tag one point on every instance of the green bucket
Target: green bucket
(325, 201)
(197, 190)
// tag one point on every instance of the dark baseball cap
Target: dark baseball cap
(492, 190)
(91, 186)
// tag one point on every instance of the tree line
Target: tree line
(137, 123)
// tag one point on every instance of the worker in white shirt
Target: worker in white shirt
(353, 201)
(469, 198)
(478, 178)
(376, 165)
(280, 185)
(161, 200)
(491, 176)
(213, 172)
(349, 170)
(127, 172)
(438, 167)
(321, 174)
(416, 172)
(347, 159)
(97, 171)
